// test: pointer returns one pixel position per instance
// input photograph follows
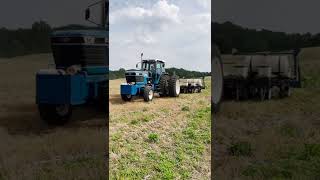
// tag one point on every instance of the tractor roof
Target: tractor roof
(153, 60)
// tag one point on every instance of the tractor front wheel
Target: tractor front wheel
(147, 94)
(126, 97)
(174, 86)
(55, 114)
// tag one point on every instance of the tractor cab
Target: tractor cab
(155, 67)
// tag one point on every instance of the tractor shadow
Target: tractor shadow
(116, 99)
(24, 119)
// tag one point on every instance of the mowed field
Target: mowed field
(277, 139)
(30, 149)
(168, 138)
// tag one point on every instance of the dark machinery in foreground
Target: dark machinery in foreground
(261, 75)
(80, 74)
(216, 79)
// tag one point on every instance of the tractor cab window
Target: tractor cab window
(145, 66)
(152, 68)
(149, 66)
(97, 13)
(160, 67)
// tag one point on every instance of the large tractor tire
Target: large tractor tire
(174, 86)
(217, 79)
(147, 94)
(164, 85)
(55, 114)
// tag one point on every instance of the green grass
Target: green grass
(189, 147)
(295, 162)
(287, 147)
(277, 139)
(240, 149)
(153, 137)
(168, 142)
(174, 163)
(138, 117)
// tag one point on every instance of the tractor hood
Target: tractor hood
(136, 72)
(80, 47)
(80, 37)
(136, 76)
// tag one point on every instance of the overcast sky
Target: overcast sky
(174, 30)
(177, 31)
(22, 13)
(279, 15)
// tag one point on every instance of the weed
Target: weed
(164, 110)
(289, 130)
(240, 149)
(185, 108)
(116, 137)
(166, 167)
(153, 137)
(147, 118)
(310, 151)
(134, 122)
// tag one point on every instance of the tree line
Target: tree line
(182, 73)
(34, 40)
(230, 36)
(25, 41)
(227, 35)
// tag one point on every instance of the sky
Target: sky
(21, 14)
(278, 15)
(176, 31)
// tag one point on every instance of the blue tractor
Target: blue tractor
(81, 70)
(150, 78)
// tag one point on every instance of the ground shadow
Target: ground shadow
(25, 119)
(116, 99)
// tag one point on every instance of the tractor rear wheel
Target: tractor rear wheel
(126, 97)
(55, 114)
(174, 86)
(148, 94)
(163, 85)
